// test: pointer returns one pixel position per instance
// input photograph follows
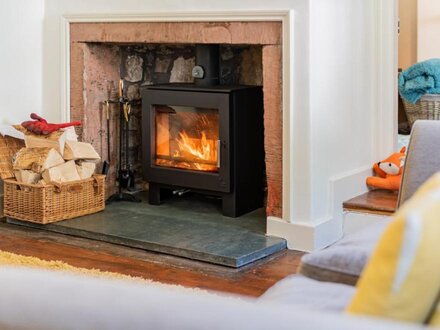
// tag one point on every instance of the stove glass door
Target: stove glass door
(187, 138)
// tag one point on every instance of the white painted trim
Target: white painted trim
(386, 91)
(356, 221)
(345, 186)
(180, 16)
(288, 116)
(186, 16)
(299, 235)
(65, 69)
(314, 235)
(305, 236)
(283, 16)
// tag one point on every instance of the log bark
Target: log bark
(56, 142)
(27, 176)
(8, 148)
(37, 159)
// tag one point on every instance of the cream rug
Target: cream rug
(12, 259)
(17, 260)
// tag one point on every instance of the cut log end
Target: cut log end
(62, 173)
(75, 150)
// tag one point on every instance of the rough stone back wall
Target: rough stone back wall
(141, 65)
(250, 54)
(157, 64)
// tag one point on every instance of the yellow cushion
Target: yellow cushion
(402, 279)
(435, 319)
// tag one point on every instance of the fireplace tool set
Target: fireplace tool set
(125, 171)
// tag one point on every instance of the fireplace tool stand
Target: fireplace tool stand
(125, 172)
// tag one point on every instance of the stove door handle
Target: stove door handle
(219, 146)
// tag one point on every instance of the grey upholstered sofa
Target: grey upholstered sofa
(423, 157)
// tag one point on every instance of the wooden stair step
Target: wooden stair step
(375, 201)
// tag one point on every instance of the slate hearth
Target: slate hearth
(190, 226)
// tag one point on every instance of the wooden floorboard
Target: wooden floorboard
(251, 280)
(374, 201)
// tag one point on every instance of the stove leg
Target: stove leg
(229, 205)
(154, 194)
(239, 203)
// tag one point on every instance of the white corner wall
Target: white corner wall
(342, 76)
(21, 35)
(352, 112)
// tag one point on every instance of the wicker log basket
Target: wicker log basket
(45, 204)
(428, 107)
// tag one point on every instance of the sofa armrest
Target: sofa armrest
(423, 157)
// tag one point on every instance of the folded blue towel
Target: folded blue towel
(420, 79)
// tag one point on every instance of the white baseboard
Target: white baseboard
(305, 236)
(355, 221)
(311, 235)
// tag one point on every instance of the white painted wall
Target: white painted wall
(337, 109)
(342, 72)
(21, 33)
(428, 41)
(352, 112)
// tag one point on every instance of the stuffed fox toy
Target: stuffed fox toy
(389, 172)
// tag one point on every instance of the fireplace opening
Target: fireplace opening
(192, 146)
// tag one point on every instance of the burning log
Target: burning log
(187, 160)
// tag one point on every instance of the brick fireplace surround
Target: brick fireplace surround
(88, 76)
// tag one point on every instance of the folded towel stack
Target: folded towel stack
(420, 79)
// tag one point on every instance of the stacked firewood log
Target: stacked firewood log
(53, 158)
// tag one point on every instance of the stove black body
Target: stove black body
(240, 178)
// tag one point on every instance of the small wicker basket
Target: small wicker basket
(428, 107)
(45, 204)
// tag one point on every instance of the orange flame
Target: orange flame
(199, 149)
(186, 151)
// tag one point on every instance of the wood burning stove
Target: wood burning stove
(206, 138)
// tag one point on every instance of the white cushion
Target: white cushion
(36, 299)
(307, 293)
